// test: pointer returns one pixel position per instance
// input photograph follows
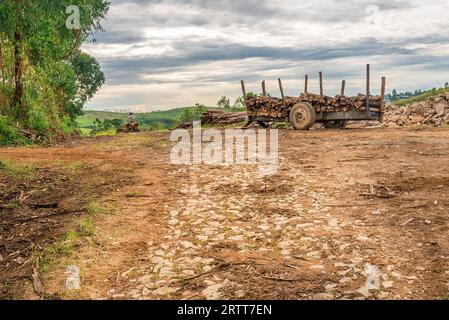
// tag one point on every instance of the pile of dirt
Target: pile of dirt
(431, 112)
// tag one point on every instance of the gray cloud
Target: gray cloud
(133, 70)
(188, 43)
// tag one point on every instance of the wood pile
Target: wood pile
(280, 108)
(222, 118)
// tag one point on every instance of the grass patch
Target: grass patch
(15, 170)
(96, 208)
(132, 194)
(107, 133)
(86, 228)
(13, 205)
(85, 132)
(77, 166)
(64, 248)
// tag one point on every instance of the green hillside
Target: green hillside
(426, 95)
(156, 120)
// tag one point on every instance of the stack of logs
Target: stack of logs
(219, 117)
(279, 108)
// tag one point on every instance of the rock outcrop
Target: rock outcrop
(431, 112)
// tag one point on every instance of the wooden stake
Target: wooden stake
(306, 83)
(367, 86)
(282, 90)
(321, 84)
(264, 91)
(343, 84)
(243, 89)
(382, 95)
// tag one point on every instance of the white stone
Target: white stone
(157, 259)
(145, 292)
(212, 292)
(387, 284)
(187, 244)
(163, 291)
(322, 296)
(206, 268)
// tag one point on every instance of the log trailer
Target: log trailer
(307, 109)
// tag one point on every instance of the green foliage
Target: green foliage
(54, 78)
(239, 105)
(426, 95)
(89, 79)
(224, 102)
(8, 133)
(155, 120)
(67, 125)
(194, 114)
(107, 124)
(251, 94)
(37, 120)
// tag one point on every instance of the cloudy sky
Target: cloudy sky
(161, 54)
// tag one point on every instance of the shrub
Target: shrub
(224, 102)
(67, 125)
(37, 121)
(8, 134)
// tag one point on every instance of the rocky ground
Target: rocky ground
(430, 112)
(350, 214)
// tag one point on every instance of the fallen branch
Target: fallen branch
(63, 212)
(281, 279)
(37, 283)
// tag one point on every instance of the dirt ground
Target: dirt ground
(350, 214)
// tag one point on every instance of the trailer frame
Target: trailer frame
(369, 114)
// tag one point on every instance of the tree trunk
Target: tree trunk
(18, 67)
(18, 75)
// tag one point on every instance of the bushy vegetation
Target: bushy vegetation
(193, 114)
(239, 104)
(45, 79)
(8, 133)
(423, 96)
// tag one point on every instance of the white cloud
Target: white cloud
(169, 53)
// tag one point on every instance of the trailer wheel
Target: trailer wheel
(302, 116)
(262, 124)
(338, 124)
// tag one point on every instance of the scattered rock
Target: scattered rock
(212, 292)
(72, 281)
(372, 275)
(323, 296)
(163, 291)
(18, 260)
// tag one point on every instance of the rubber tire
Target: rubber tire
(308, 116)
(262, 124)
(340, 124)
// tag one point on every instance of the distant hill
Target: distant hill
(149, 120)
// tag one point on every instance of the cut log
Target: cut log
(219, 117)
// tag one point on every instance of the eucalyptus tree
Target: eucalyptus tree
(43, 38)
